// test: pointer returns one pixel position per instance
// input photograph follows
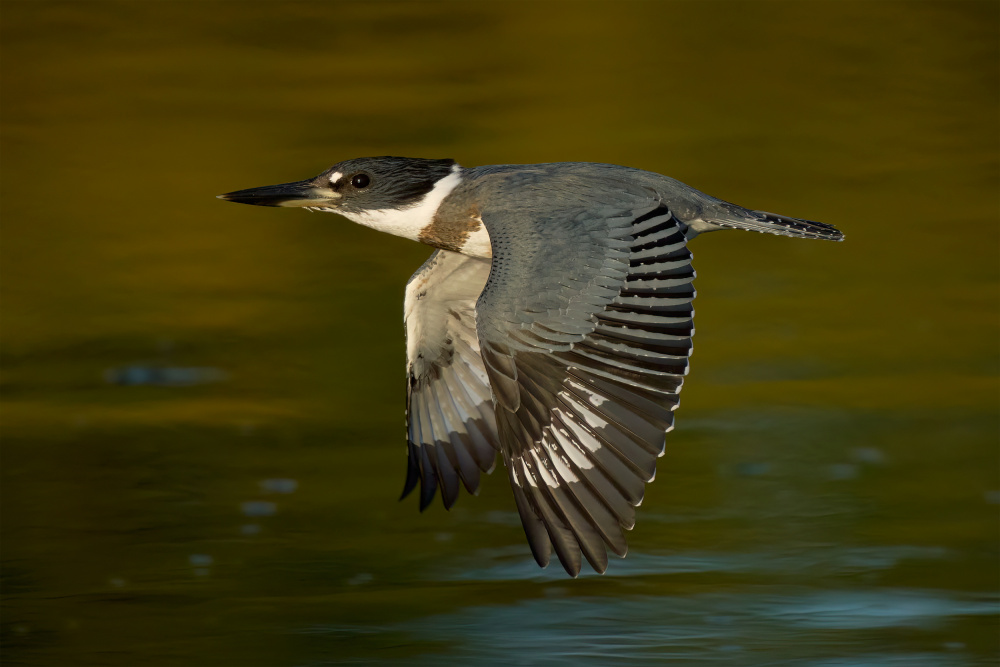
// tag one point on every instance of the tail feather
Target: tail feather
(731, 216)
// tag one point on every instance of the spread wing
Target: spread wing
(586, 341)
(451, 427)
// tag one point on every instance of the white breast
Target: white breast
(478, 243)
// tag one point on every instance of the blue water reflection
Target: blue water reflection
(817, 561)
(782, 626)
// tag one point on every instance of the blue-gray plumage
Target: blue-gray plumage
(552, 323)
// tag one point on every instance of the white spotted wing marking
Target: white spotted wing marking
(581, 424)
(450, 419)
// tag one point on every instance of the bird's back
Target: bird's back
(543, 190)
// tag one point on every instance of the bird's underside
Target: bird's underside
(575, 390)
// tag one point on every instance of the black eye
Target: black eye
(360, 181)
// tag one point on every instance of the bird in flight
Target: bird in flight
(552, 323)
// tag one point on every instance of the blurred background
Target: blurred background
(203, 404)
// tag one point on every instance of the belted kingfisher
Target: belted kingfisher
(552, 323)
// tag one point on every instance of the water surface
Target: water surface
(202, 411)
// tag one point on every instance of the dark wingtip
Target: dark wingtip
(427, 492)
(571, 562)
(412, 470)
(534, 529)
(412, 475)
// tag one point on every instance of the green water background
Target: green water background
(202, 403)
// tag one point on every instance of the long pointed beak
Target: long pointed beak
(300, 193)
